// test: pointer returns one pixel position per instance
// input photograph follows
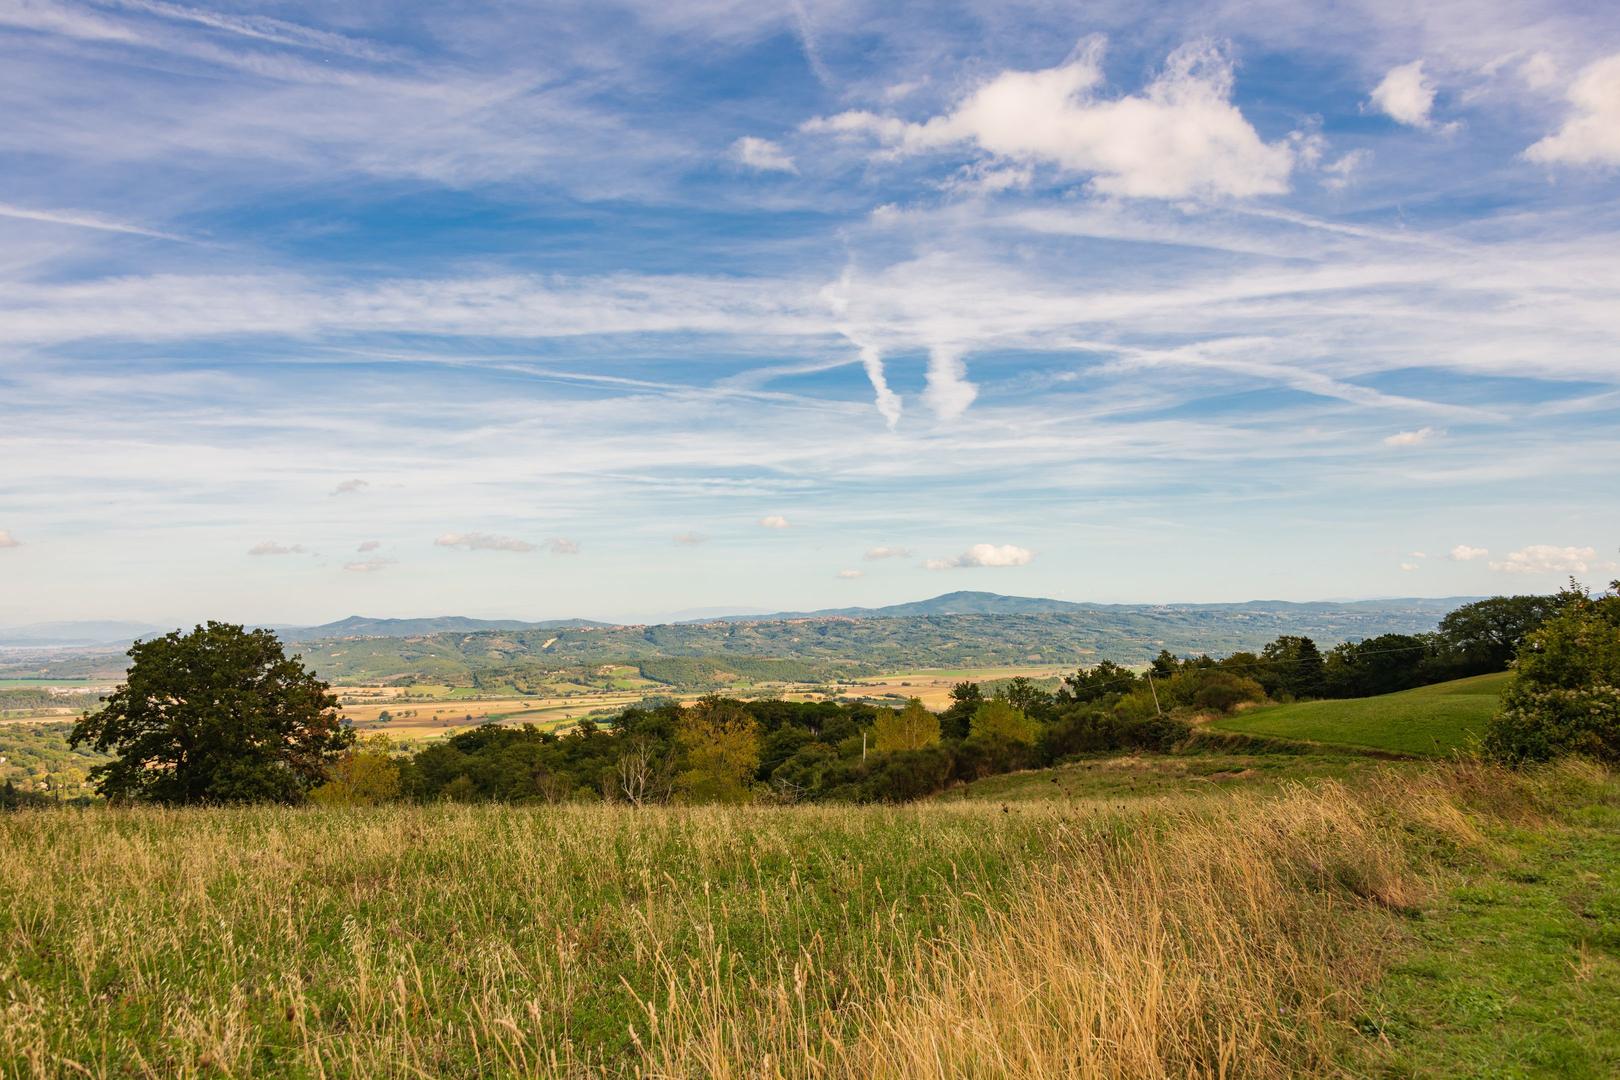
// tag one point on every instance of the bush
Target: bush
(1566, 699)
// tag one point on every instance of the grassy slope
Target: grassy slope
(1431, 720)
(1515, 971)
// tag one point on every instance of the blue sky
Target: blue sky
(625, 310)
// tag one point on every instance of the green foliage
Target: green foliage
(365, 774)
(966, 697)
(1485, 636)
(720, 744)
(217, 715)
(1296, 667)
(1104, 680)
(1566, 699)
(998, 719)
(910, 728)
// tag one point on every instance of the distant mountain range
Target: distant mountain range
(988, 603)
(357, 626)
(101, 634)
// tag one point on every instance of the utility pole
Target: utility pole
(863, 748)
(1155, 694)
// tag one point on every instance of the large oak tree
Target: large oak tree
(218, 715)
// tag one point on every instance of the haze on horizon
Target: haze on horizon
(613, 310)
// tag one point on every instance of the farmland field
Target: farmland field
(1431, 720)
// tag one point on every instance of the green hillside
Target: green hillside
(1429, 720)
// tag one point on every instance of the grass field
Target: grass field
(1431, 720)
(1263, 935)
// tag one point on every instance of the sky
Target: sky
(629, 310)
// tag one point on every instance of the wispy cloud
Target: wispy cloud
(275, 547)
(887, 552)
(1467, 553)
(478, 541)
(1410, 438)
(773, 521)
(351, 487)
(850, 575)
(690, 539)
(8, 541)
(368, 566)
(80, 219)
(762, 155)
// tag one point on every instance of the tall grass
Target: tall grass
(1192, 937)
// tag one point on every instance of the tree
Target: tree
(998, 718)
(966, 697)
(721, 743)
(911, 728)
(1096, 683)
(1566, 696)
(1485, 636)
(221, 714)
(646, 770)
(365, 774)
(1022, 693)
(1296, 667)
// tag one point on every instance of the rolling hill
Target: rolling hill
(1430, 720)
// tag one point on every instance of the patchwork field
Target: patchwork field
(1430, 721)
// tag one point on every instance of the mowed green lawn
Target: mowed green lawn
(1431, 720)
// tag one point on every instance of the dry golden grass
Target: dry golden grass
(1194, 937)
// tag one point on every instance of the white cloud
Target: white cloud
(774, 521)
(8, 541)
(947, 389)
(559, 545)
(1464, 553)
(1411, 438)
(985, 555)
(1406, 96)
(1417, 555)
(272, 547)
(1547, 559)
(887, 552)
(1591, 136)
(1180, 137)
(1409, 567)
(369, 545)
(1337, 173)
(368, 566)
(690, 539)
(350, 487)
(850, 575)
(888, 402)
(80, 219)
(762, 154)
(476, 541)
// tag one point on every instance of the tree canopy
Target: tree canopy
(220, 714)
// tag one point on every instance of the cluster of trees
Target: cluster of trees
(223, 715)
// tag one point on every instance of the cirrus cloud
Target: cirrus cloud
(368, 566)
(985, 555)
(885, 551)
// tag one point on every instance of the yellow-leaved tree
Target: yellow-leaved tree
(997, 718)
(365, 774)
(720, 745)
(911, 728)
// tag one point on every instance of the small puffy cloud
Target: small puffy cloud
(368, 566)
(690, 539)
(1417, 555)
(1464, 553)
(773, 521)
(477, 541)
(1411, 438)
(8, 541)
(762, 154)
(1408, 567)
(561, 545)
(1336, 174)
(369, 545)
(271, 547)
(1547, 559)
(1591, 134)
(1406, 96)
(851, 575)
(351, 487)
(985, 555)
(887, 552)
(1180, 137)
